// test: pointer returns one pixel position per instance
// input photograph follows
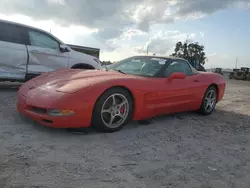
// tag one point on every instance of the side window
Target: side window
(42, 40)
(178, 66)
(10, 33)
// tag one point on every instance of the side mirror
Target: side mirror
(177, 75)
(63, 48)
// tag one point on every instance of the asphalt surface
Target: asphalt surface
(182, 150)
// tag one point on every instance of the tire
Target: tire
(204, 109)
(123, 107)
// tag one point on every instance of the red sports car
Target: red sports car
(136, 88)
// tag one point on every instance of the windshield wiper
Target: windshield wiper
(120, 71)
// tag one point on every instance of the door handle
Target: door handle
(196, 80)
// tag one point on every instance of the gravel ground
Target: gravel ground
(181, 150)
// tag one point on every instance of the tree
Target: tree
(191, 51)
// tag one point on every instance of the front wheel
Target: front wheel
(209, 101)
(112, 110)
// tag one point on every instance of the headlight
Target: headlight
(57, 112)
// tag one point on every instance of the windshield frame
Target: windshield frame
(158, 74)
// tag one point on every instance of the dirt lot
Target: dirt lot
(182, 150)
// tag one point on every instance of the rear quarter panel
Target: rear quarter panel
(209, 78)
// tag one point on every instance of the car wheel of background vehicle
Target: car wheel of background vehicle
(112, 110)
(83, 66)
(209, 101)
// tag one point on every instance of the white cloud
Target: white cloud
(202, 34)
(118, 27)
(211, 55)
(162, 43)
(66, 34)
(114, 15)
(130, 33)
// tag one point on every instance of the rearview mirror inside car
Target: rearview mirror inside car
(177, 75)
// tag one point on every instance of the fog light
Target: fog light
(57, 112)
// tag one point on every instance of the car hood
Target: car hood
(72, 80)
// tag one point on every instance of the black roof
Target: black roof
(163, 57)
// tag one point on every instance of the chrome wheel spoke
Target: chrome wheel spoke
(207, 106)
(113, 100)
(212, 95)
(206, 102)
(122, 116)
(122, 103)
(212, 102)
(208, 95)
(107, 110)
(111, 119)
(213, 99)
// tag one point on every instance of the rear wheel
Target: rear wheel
(209, 101)
(113, 110)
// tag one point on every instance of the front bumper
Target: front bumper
(35, 106)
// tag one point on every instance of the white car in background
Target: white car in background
(26, 52)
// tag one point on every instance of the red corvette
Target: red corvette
(137, 88)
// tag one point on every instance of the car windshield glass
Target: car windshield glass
(142, 66)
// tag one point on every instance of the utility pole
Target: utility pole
(147, 48)
(236, 63)
(187, 38)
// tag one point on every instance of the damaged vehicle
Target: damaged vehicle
(26, 52)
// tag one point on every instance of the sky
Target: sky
(123, 28)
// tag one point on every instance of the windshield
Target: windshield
(142, 66)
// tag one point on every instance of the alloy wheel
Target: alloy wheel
(115, 110)
(210, 101)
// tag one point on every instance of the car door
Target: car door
(44, 53)
(179, 94)
(13, 52)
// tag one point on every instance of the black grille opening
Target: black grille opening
(38, 110)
